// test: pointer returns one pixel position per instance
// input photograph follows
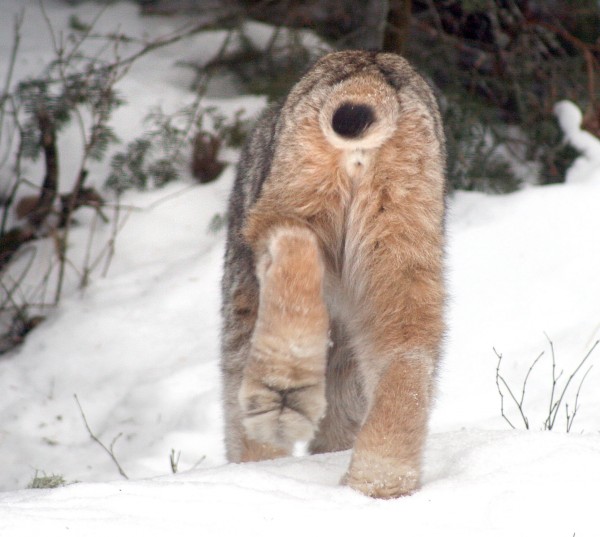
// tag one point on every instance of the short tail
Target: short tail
(361, 112)
(352, 120)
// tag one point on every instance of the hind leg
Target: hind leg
(397, 356)
(282, 393)
(346, 405)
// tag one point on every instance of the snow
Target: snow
(139, 348)
(588, 168)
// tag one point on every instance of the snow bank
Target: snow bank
(477, 483)
(140, 350)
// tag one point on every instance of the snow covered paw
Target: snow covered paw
(381, 477)
(281, 415)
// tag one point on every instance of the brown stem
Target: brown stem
(398, 24)
(49, 188)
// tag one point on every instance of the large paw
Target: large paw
(381, 477)
(281, 415)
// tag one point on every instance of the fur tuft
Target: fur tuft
(359, 113)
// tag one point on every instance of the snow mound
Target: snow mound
(477, 483)
(139, 348)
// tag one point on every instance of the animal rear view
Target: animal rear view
(333, 287)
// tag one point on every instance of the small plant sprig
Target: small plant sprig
(558, 394)
(174, 457)
(52, 481)
(109, 450)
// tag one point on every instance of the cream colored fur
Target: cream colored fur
(333, 286)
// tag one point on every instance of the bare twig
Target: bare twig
(174, 461)
(554, 412)
(86, 33)
(555, 402)
(9, 298)
(571, 417)
(498, 380)
(11, 66)
(109, 450)
(520, 402)
(198, 462)
(118, 225)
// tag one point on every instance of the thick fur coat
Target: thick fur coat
(333, 290)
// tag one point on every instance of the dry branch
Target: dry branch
(108, 450)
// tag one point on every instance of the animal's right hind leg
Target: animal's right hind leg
(282, 395)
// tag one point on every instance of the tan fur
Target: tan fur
(283, 391)
(347, 236)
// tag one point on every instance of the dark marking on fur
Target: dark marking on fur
(352, 120)
(287, 400)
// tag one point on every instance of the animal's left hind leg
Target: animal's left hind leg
(282, 396)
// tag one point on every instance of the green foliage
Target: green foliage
(548, 147)
(152, 159)
(269, 71)
(161, 154)
(46, 481)
(128, 168)
(500, 70)
(500, 64)
(77, 25)
(233, 132)
(78, 87)
(72, 88)
(55, 97)
(274, 73)
(474, 159)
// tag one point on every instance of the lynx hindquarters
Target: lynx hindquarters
(333, 286)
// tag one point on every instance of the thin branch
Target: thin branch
(11, 65)
(4, 98)
(174, 37)
(118, 225)
(48, 22)
(553, 417)
(86, 33)
(527, 376)
(87, 268)
(198, 462)
(571, 417)
(552, 403)
(99, 442)
(17, 284)
(498, 379)
(63, 242)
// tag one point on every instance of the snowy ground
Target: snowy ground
(140, 350)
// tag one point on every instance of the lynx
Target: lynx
(333, 288)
